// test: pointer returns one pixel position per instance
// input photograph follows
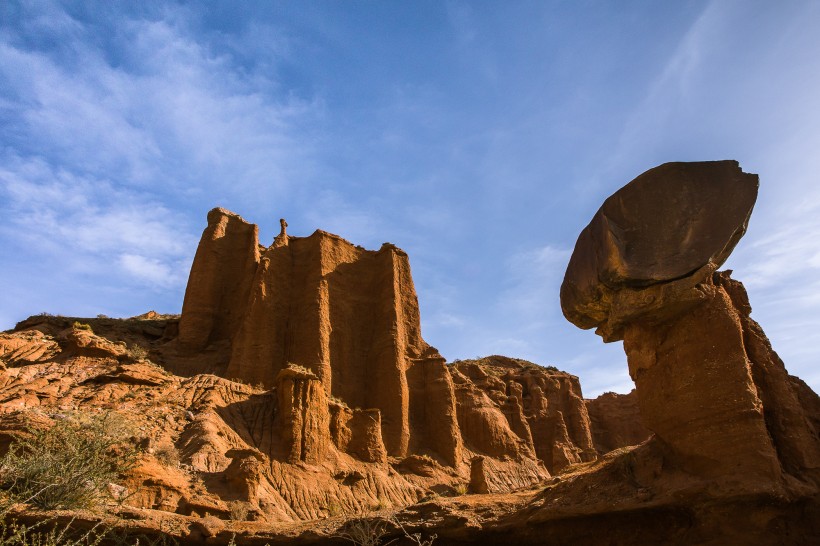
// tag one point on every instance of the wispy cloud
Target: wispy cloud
(114, 144)
(534, 280)
(171, 113)
(88, 219)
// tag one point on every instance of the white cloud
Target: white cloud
(151, 271)
(534, 280)
(115, 145)
(330, 211)
(171, 112)
(90, 221)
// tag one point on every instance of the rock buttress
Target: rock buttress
(347, 314)
(433, 416)
(302, 419)
(220, 281)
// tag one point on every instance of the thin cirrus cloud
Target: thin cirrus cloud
(110, 158)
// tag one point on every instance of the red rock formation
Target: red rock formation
(366, 436)
(302, 416)
(350, 317)
(615, 421)
(708, 383)
(347, 314)
(220, 281)
(665, 226)
(541, 406)
(433, 414)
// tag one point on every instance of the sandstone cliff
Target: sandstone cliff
(543, 407)
(297, 384)
(615, 421)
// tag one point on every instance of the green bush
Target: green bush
(137, 353)
(77, 325)
(69, 464)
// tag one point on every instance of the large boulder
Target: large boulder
(673, 222)
(708, 383)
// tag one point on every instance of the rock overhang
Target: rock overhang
(659, 235)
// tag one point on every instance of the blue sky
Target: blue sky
(480, 137)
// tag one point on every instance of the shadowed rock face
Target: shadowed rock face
(220, 281)
(615, 421)
(668, 224)
(707, 381)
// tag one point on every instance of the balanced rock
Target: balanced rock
(670, 227)
(707, 381)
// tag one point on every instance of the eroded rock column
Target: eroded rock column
(643, 271)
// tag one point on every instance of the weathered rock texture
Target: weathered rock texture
(542, 408)
(670, 228)
(220, 281)
(291, 452)
(709, 386)
(615, 421)
(348, 315)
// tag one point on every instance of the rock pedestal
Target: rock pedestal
(707, 381)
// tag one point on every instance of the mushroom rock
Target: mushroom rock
(669, 228)
(707, 381)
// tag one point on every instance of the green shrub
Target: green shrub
(69, 464)
(77, 325)
(137, 353)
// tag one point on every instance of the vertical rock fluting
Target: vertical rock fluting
(302, 419)
(433, 414)
(334, 331)
(220, 281)
(707, 381)
(348, 315)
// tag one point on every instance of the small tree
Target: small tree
(69, 464)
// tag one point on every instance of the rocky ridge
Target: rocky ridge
(257, 387)
(297, 383)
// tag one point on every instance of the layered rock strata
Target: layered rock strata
(542, 408)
